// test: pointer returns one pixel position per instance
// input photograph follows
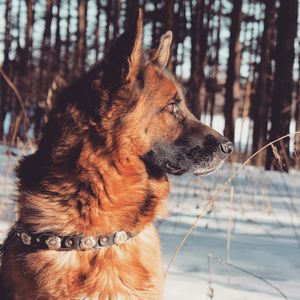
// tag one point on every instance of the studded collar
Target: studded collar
(71, 242)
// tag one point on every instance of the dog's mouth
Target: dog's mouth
(203, 173)
(198, 171)
(210, 170)
(175, 170)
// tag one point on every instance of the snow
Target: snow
(264, 239)
(265, 233)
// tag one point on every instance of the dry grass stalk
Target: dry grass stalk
(210, 202)
(210, 292)
(219, 260)
(229, 230)
(276, 154)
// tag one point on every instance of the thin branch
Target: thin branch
(18, 95)
(249, 273)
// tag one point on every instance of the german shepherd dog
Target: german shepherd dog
(88, 196)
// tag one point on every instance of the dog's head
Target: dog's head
(146, 112)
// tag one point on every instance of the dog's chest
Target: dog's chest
(90, 275)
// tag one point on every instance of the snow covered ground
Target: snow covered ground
(264, 237)
(264, 234)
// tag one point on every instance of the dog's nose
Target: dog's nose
(226, 147)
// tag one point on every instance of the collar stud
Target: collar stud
(87, 242)
(120, 237)
(53, 242)
(26, 238)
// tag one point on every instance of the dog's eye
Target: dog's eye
(173, 108)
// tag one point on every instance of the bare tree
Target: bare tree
(215, 66)
(46, 45)
(117, 11)
(196, 77)
(57, 50)
(131, 12)
(283, 86)
(81, 37)
(97, 30)
(169, 26)
(68, 39)
(3, 85)
(108, 12)
(297, 119)
(233, 70)
(261, 99)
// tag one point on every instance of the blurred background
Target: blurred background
(239, 60)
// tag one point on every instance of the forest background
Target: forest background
(239, 61)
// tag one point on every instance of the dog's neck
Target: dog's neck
(104, 193)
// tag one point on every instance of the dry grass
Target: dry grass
(229, 229)
(219, 260)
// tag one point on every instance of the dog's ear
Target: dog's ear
(125, 56)
(162, 53)
(135, 53)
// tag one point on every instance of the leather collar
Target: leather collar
(71, 242)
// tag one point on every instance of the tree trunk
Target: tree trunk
(169, 26)
(81, 37)
(97, 31)
(196, 70)
(154, 34)
(3, 84)
(56, 58)
(131, 12)
(282, 97)
(297, 119)
(206, 31)
(68, 41)
(24, 73)
(108, 11)
(178, 31)
(28, 33)
(117, 10)
(261, 100)
(233, 70)
(45, 47)
(215, 67)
